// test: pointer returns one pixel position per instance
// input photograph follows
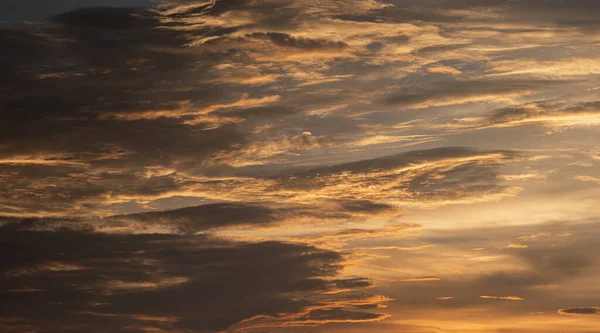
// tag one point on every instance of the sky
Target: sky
(301, 166)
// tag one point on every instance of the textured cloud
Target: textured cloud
(461, 92)
(419, 178)
(340, 239)
(199, 218)
(221, 216)
(267, 165)
(536, 114)
(87, 281)
(559, 13)
(537, 278)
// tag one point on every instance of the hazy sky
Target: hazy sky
(303, 166)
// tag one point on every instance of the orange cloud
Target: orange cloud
(589, 179)
(506, 298)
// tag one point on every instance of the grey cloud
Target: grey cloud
(338, 315)
(572, 13)
(103, 282)
(64, 76)
(399, 14)
(270, 16)
(352, 283)
(561, 261)
(476, 176)
(433, 50)
(555, 262)
(543, 113)
(580, 311)
(375, 46)
(195, 219)
(286, 40)
(96, 17)
(263, 112)
(73, 144)
(32, 10)
(447, 91)
(92, 79)
(364, 206)
(395, 161)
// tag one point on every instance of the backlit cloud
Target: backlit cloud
(340, 166)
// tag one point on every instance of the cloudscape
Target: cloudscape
(302, 166)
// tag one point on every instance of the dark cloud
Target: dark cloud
(110, 283)
(256, 107)
(262, 112)
(364, 206)
(352, 283)
(580, 311)
(66, 79)
(452, 92)
(32, 10)
(550, 113)
(400, 14)
(573, 13)
(286, 40)
(194, 219)
(375, 47)
(433, 50)
(338, 315)
(72, 76)
(393, 161)
(106, 18)
(562, 13)
(470, 176)
(279, 15)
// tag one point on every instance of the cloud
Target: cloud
(553, 13)
(424, 175)
(517, 246)
(461, 92)
(341, 238)
(444, 298)
(32, 10)
(441, 69)
(286, 40)
(507, 298)
(421, 279)
(196, 85)
(132, 138)
(544, 114)
(551, 271)
(168, 282)
(258, 153)
(591, 311)
(589, 179)
(417, 178)
(218, 217)
(205, 217)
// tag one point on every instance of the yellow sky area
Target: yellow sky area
(475, 322)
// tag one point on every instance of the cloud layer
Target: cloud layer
(267, 165)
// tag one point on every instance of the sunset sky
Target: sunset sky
(302, 166)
